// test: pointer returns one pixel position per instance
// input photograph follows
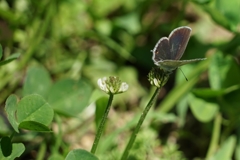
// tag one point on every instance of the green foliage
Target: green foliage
(11, 108)
(6, 146)
(79, 154)
(52, 103)
(0, 51)
(8, 59)
(34, 108)
(17, 150)
(69, 97)
(66, 96)
(37, 81)
(203, 110)
(226, 150)
(31, 112)
(101, 104)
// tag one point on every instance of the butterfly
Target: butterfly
(168, 50)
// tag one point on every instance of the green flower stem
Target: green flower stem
(102, 124)
(136, 130)
(215, 136)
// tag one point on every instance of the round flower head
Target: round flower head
(112, 85)
(158, 77)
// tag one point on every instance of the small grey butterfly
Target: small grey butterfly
(168, 51)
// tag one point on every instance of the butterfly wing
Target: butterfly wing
(172, 48)
(170, 65)
(178, 40)
(161, 50)
(168, 51)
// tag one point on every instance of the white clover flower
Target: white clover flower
(112, 85)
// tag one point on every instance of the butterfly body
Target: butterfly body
(168, 50)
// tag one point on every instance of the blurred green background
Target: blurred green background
(89, 39)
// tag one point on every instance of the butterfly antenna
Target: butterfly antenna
(183, 74)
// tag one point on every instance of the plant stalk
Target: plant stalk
(215, 136)
(136, 130)
(102, 124)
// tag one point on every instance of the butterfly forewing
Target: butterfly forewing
(161, 51)
(178, 40)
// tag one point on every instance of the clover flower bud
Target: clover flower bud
(158, 77)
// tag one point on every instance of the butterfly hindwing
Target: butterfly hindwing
(170, 65)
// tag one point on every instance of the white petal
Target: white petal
(102, 84)
(156, 82)
(124, 87)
